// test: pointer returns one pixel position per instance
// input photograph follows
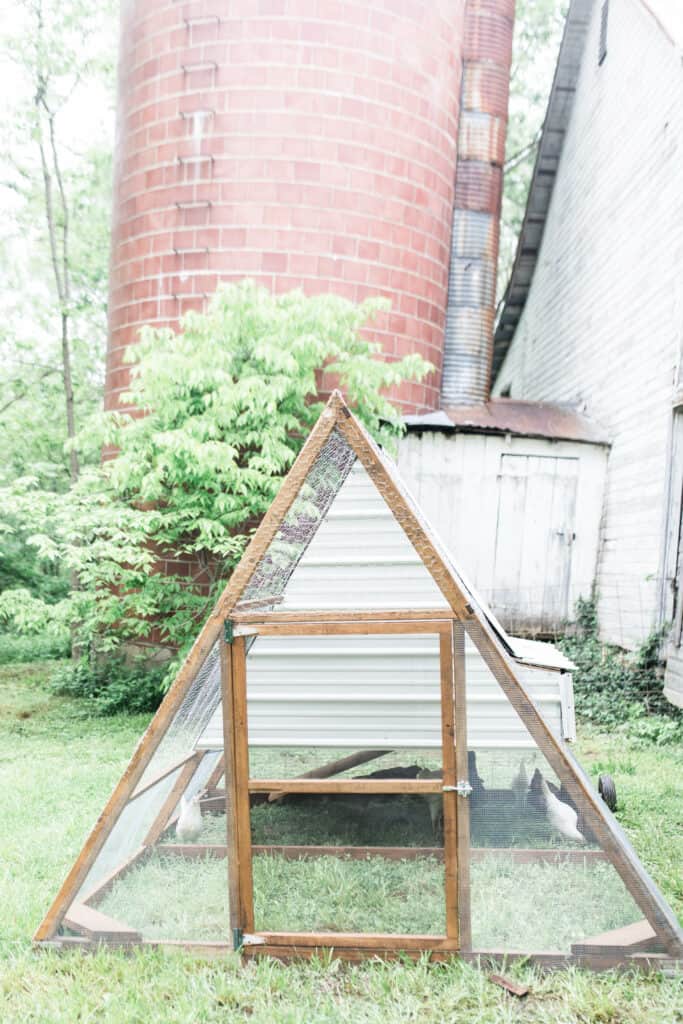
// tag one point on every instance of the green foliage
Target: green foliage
(22, 614)
(615, 689)
(112, 685)
(16, 649)
(22, 568)
(55, 189)
(228, 403)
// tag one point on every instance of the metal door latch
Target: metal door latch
(463, 788)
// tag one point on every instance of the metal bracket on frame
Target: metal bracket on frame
(228, 631)
(252, 940)
(462, 788)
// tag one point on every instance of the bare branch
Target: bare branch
(32, 363)
(26, 391)
(61, 273)
(65, 208)
(522, 154)
(49, 208)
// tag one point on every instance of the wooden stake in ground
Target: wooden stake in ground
(513, 987)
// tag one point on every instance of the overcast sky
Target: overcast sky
(670, 13)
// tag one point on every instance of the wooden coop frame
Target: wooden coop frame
(653, 942)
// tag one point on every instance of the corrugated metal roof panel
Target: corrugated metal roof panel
(361, 558)
(374, 691)
(512, 416)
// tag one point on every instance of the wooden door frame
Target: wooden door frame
(239, 784)
(671, 591)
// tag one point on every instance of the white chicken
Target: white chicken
(520, 786)
(189, 823)
(561, 817)
(434, 800)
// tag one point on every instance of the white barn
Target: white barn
(593, 313)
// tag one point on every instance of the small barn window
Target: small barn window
(602, 50)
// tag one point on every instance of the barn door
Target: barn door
(342, 842)
(535, 533)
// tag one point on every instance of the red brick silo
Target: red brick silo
(297, 142)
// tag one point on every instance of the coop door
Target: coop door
(350, 745)
(535, 534)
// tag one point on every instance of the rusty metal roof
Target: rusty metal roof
(510, 416)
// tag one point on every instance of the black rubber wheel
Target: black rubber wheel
(608, 791)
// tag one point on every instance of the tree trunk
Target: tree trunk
(69, 397)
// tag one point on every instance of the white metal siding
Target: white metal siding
(375, 691)
(360, 558)
(602, 325)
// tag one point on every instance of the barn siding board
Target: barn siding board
(601, 328)
(673, 683)
(535, 491)
(456, 478)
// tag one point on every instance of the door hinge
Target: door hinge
(462, 788)
(228, 631)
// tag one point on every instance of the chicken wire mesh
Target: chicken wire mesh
(154, 890)
(340, 875)
(328, 473)
(319, 861)
(128, 833)
(541, 879)
(137, 877)
(191, 718)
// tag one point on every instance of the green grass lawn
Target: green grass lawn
(515, 906)
(57, 767)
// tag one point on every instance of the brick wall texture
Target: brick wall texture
(302, 143)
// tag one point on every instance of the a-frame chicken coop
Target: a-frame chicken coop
(347, 638)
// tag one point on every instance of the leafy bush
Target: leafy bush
(228, 404)
(39, 647)
(22, 568)
(615, 689)
(646, 730)
(24, 615)
(112, 685)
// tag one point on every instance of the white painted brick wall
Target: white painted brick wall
(603, 323)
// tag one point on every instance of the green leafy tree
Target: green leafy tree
(55, 184)
(58, 53)
(228, 402)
